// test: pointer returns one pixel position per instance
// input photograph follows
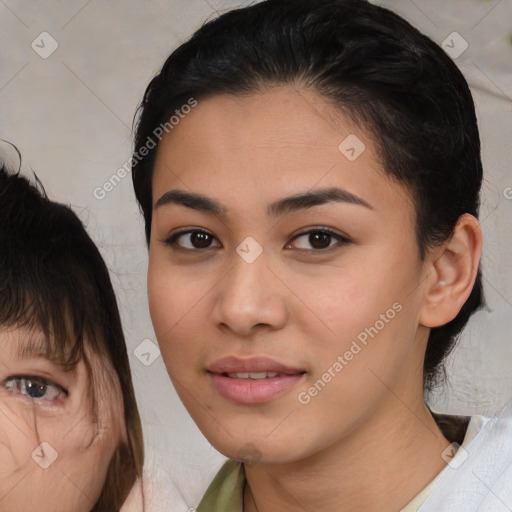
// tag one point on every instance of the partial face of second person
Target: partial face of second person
(256, 297)
(57, 440)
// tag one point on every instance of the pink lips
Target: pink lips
(241, 390)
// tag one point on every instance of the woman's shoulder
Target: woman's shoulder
(225, 493)
(479, 470)
(151, 494)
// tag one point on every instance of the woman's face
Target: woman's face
(55, 445)
(285, 283)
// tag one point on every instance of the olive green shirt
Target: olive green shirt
(226, 492)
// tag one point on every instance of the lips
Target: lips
(233, 364)
(253, 380)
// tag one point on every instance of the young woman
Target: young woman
(311, 214)
(70, 429)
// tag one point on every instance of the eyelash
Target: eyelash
(18, 384)
(319, 230)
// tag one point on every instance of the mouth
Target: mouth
(254, 380)
(252, 375)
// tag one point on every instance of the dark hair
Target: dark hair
(53, 279)
(370, 64)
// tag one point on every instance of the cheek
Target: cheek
(15, 445)
(91, 444)
(362, 311)
(85, 459)
(50, 463)
(175, 298)
(335, 303)
(85, 453)
(342, 301)
(23, 428)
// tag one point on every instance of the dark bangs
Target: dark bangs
(54, 282)
(46, 280)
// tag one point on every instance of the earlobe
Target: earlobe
(452, 273)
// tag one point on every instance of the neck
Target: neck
(381, 466)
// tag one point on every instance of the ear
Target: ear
(452, 272)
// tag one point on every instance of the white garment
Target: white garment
(161, 494)
(479, 477)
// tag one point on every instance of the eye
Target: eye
(37, 388)
(318, 239)
(193, 239)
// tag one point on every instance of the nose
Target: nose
(250, 298)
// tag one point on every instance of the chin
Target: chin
(251, 450)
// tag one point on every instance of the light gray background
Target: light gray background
(71, 114)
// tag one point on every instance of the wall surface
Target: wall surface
(70, 112)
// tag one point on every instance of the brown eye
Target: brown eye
(318, 239)
(193, 240)
(200, 240)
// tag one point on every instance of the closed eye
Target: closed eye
(36, 388)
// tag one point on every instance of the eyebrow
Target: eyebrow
(36, 347)
(280, 207)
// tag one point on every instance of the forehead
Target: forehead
(278, 124)
(23, 343)
(279, 141)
